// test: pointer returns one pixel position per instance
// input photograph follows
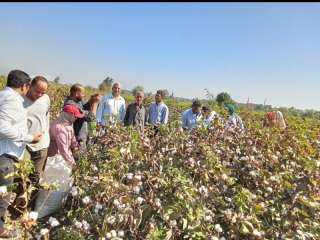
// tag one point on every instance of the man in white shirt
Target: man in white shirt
(37, 103)
(112, 108)
(208, 116)
(13, 136)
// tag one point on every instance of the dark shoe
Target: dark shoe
(6, 233)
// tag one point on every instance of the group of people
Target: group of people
(25, 125)
(112, 109)
(199, 115)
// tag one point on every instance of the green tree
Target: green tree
(57, 79)
(210, 97)
(3, 81)
(165, 92)
(223, 98)
(136, 89)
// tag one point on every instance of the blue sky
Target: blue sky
(257, 50)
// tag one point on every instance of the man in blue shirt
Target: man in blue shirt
(192, 116)
(158, 111)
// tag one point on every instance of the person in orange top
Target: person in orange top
(274, 118)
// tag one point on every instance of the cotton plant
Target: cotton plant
(206, 184)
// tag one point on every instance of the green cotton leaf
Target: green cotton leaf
(314, 204)
(310, 203)
(198, 235)
(249, 225)
(184, 223)
(196, 224)
(168, 235)
(244, 229)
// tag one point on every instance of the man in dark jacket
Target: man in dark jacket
(136, 113)
(80, 126)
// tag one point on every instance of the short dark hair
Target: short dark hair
(17, 79)
(206, 108)
(37, 79)
(75, 88)
(161, 93)
(196, 103)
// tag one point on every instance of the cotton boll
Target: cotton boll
(53, 222)
(3, 189)
(218, 228)
(44, 231)
(113, 233)
(120, 233)
(78, 224)
(86, 200)
(33, 215)
(140, 200)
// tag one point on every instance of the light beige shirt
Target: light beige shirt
(38, 119)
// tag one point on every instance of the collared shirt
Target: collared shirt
(62, 140)
(235, 121)
(13, 124)
(189, 119)
(38, 119)
(111, 110)
(136, 116)
(158, 113)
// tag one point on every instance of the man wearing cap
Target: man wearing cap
(112, 108)
(192, 116)
(62, 136)
(158, 111)
(13, 136)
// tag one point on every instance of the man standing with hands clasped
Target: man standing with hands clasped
(136, 113)
(13, 136)
(159, 112)
(112, 108)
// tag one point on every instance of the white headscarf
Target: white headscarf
(280, 120)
